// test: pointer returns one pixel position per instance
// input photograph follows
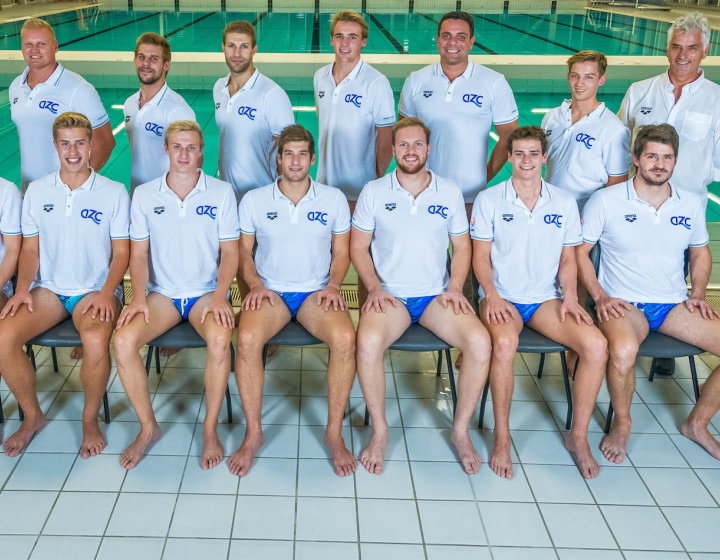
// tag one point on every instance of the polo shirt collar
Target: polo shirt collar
(595, 114)
(353, 73)
(158, 97)
(511, 195)
(396, 186)
(692, 87)
(632, 195)
(277, 194)
(200, 186)
(88, 185)
(52, 80)
(467, 74)
(250, 84)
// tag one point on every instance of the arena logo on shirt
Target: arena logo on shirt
(271, 215)
(48, 207)
(630, 218)
(427, 93)
(92, 215)
(585, 139)
(473, 98)
(217, 106)
(50, 106)
(15, 100)
(354, 98)
(390, 206)
(321, 94)
(156, 129)
(318, 217)
(683, 221)
(508, 217)
(204, 210)
(247, 111)
(553, 219)
(646, 110)
(438, 210)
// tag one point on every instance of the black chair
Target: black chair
(62, 335)
(532, 342)
(184, 335)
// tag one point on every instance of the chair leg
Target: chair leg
(106, 408)
(568, 392)
(2, 416)
(541, 365)
(148, 360)
(157, 361)
(608, 421)
(367, 416)
(21, 414)
(483, 402)
(439, 368)
(264, 355)
(451, 375)
(693, 374)
(228, 404)
(651, 377)
(31, 354)
(232, 358)
(53, 353)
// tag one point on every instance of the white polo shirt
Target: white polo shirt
(248, 121)
(76, 229)
(583, 156)
(294, 242)
(146, 132)
(696, 117)
(348, 114)
(34, 111)
(184, 235)
(410, 235)
(459, 115)
(10, 211)
(642, 250)
(526, 246)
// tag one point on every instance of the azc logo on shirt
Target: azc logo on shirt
(156, 129)
(585, 139)
(439, 210)
(50, 106)
(249, 112)
(553, 219)
(473, 98)
(683, 221)
(318, 217)
(206, 211)
(93, 215)
(354, 98)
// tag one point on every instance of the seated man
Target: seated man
(644, 226)
(525, 232)
(74, 255)
(302, 230)
(184, 234)
(399, 244)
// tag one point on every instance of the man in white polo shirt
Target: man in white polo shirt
(251, 111)
(525, 232)
(184, 254)
(356, 111)
(399, 243)
(74, 255)
(149, 111)
(589, 146)
(302, 229)
(42, 92)
(10, 236)
(644, 226)
(460, 101)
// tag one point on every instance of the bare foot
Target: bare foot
(343, 461)
(213, 452)
(240, 462)
(169, 351)
(16, 443)
(572, 360)
(77, 353)
(701, 436)
(137, 449)
(581, 454)
(500, 459)
(469, 458)
(272, 350)
(614, 445)
(373, 455)
(93, 440)
(459, 361)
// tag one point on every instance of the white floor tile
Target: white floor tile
(230, 435)
(640, 528)
(551, 387)
(267, 550)
(695, 455)
(395, 450)
(426, 413)
(270, 477)
(676, 487)
(392, 412)
(54, 547)
(429, 444)
(182, 380)
(654, 450)
(711, 479)
(142, 515)
(102, 473)
(526, 528)
(421, 385)
(176, 407)
(281, 440)
(198, 515)
(372, 551)
(489, 487)
(338, 515)
(175, 440)
(531, 416)
(58, 436)
(584, 554)
(643, 421)
(325, 551)
(264, 517)
(286, 357)
(390, 391)
(281, 382)
(312, 446)
(80, 513)
(281, 410)
(389, 521)
(451, 522)
(696, 527)
(315, 359)
(156, 473)
(558, 484)
(316, 477)
(440, 552)
(191, 549)
(415, 362)
(187, 358)
(24, 512)
(440, 481)
(16, 547)
(661, 391)
(314, 383)
(213, 481)
(314, 412)
(621, 486)
(7, 464)
(137, 548)
(40, 471)
(577, 526)
(394, 482)
(541, 448)
(670, 416)
(515, 553)
(67, 406)
(656, 555)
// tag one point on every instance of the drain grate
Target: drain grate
(350, 293)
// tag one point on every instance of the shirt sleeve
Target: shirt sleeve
(228, 224)
(482, 219)
(573, 231)
(11, 211)
(364, 217)
(624, 114)
(458, 222)
(700, 236)
(504, 108)
(182, 113)
(245, 214)
(593, 223)
(279, 112)
(616, 157)
(383, 109)
(28, 223)
(120, 221)
(139, 227)
(342, 215)
(87, 101)
(406, 106)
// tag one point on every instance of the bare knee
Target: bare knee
(504, 347)
(343, 342)
(370, 344)
(218, 343)
(622, 355)
(249, 342)
(126, 345)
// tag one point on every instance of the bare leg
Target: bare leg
(128, 342)
(590, 345)
(624, 336)
(376, 332)
(217, 371)
(15, 366)
(254, 330)
(94, 373)
(335, 328)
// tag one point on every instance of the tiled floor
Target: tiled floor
(661, 504)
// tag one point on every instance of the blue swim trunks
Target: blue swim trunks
(416, 306)
(70, 302)
(526, 310)
(655, 313)
(184, 305)
(294, 300)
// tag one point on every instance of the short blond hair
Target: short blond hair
(184, 126)
(37, 23)
(408, 122)
(72, 120)
(351, 17)
(151, 38)
(242, 28)
(589, 56)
